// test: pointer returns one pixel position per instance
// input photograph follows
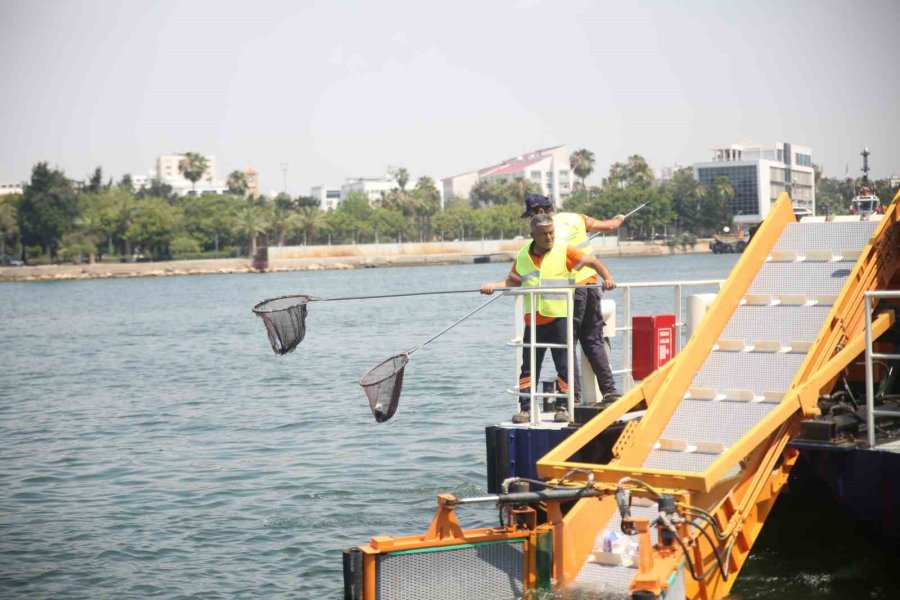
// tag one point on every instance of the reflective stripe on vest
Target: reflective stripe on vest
(570, 230)
(552, 273)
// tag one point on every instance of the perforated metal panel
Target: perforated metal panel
(488, 571)
(756, 371)
(692, 419)
(803, 237)
(809, 278)
(782, 323)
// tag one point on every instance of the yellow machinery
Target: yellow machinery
(692, 481)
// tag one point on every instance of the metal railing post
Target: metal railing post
(870, 384)
(678, 323)
(535, 414)
(570, 354)
(627, 380)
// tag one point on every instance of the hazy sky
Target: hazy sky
(346, 89)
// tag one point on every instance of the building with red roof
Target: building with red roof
(547, 167)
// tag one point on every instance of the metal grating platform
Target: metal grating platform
(692, 418)
(806, 237)
(809, 278)
(756, 371)
(782, 323)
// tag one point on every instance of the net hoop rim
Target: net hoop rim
(405, 355)
(303, 299)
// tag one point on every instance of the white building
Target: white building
(759, 174)
(11, 188)
(168, 173)
(547, 167)
(370, 186)
(328, 197)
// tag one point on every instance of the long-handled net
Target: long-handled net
(383, 382)
(285, 321)
(285, 316)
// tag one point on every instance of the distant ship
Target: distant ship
(865, 203)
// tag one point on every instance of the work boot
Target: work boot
(609, 399)
(523, 416)
(561, 416)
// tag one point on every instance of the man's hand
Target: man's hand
(488, 288)
(608, 283)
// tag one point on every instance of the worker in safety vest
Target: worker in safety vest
(542, 263)
(587, 317)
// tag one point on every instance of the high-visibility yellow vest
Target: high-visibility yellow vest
(552, 273)
(569, 230)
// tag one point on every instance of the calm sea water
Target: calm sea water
(152, 445)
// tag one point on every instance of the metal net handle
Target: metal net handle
(393, 295)
(595, 234)
(452, 325)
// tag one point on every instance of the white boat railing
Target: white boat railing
(588, 378)
(871, 413)
(533, 395)
(678, 288)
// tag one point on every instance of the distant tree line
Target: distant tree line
(58, 219)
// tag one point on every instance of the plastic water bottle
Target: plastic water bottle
(609, 537)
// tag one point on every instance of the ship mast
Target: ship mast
(865, 169)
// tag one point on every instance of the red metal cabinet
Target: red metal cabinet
(653, 343)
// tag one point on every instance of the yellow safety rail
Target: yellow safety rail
(741, 503)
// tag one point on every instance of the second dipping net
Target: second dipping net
(382, 384)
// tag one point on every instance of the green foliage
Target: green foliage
(153, 226)
(184, 244)
(48, 208)
(582, 164)
(76, 247)
(157, 189)
(490, 193)
(237, 183)
(311, 221)
(250, 222)
(192, 167)
(9, 221)
(307, 202)
(95, 182)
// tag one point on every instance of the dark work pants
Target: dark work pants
(588, 322)
(553, 332)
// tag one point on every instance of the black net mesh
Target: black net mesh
(382, 384)
(285, 320)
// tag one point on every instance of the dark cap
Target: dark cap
(535, 201)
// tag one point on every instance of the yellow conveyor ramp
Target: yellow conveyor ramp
(785, 324)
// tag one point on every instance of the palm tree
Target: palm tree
(582, 163)
(309, 219)
(192, 167)
(429, 203)
(237, 183)
(616, 177)
(251, 221)
(638, 172)
(402, 178)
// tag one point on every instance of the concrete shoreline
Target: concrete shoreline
(317, 263)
